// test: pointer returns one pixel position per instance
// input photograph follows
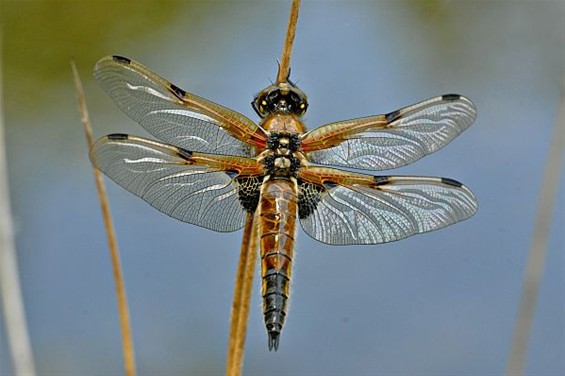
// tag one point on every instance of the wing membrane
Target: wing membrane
(196, 188)
(393, 140)
(173, 115)
(360, 209)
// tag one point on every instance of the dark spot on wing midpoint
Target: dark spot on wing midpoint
(392, 116)
(183, 153)
(177, 91)
(381, 180)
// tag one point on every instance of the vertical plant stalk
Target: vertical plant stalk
(284, 68)
(248, 254)
(127, 343)
(538, 247)
(242, 296)
(14, 312)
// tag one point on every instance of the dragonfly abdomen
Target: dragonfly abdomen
(278, 211)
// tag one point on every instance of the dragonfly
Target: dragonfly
(213, 166)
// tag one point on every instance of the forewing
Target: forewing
(174, 115)
(360, 209)
(393, 140)
(196, 188)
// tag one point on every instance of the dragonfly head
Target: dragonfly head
(280, 98)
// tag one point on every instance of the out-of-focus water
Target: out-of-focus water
(442, 303)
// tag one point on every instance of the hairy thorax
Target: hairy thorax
(282, 157)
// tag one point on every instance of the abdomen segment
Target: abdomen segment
(277, 216)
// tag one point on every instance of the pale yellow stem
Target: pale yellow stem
(127, 343)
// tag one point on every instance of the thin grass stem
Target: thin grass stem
(538, 247)
(127, 343)
(242, 297)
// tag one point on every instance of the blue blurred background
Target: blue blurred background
(442, 303)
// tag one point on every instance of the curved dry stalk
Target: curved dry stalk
(284, 68)
(538, 247)
(12, 302)
(127, 343)
(242, 297)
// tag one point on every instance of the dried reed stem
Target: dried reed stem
(242, 297)
(14, 313)
(538, 247)
(284, 69)
(127, 343)
(248, 254)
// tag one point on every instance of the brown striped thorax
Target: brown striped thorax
(280, 107)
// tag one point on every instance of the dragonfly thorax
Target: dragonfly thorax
(278, 141)
(280, 159)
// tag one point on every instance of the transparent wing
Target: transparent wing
(173, 115)
(361, 209)
(393, 140)
(196, 188)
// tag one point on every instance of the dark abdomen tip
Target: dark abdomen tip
(274, 336)
(274, 306)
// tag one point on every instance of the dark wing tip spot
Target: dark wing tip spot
(118, 136)
(180, 93)
(121, 59)
(381, 180)
(450, 97)
(451, 182)
(392, 116)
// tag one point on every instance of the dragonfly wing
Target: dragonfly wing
(393, 140)
(196, 188)
(174, 115)
(343, 208)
